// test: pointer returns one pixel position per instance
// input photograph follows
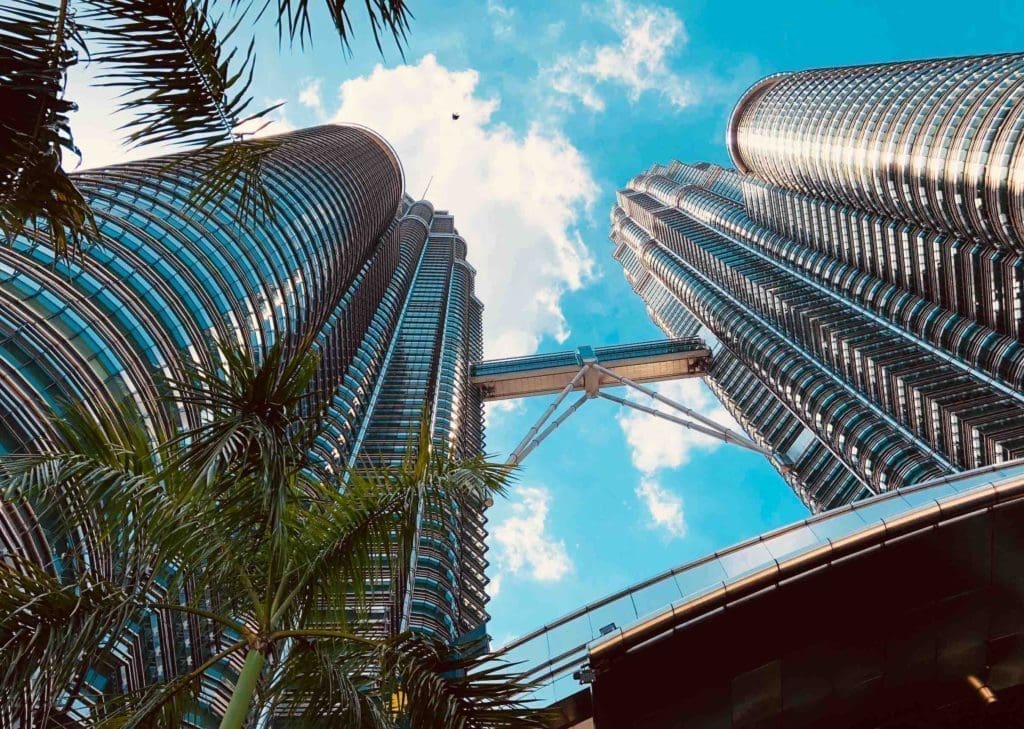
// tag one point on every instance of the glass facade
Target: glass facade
(858, 276)
(379, 281)
(932, 142)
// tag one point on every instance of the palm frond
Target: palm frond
(258, 422)
(328, 683)
(52, 632)
(105, 476)
(183, 87)
(344, 550)
(235, 171)
(36, 50)
(126, 523)
(448, 474)
(112, 508)
(179, 82)
(163, 705)
(257, 430)
(385, 16)
(439, 690)
(426, 484)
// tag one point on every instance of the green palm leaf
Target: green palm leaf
(340, 550)
(235, 172)
(254, 443)
(108, 476)
(385, 16)
(328, 683)
(232, 525)
(36, 39)
(183, 86)
(133, 538)
(439, 690)
(52, 632)
(161, 706)
(180, 84)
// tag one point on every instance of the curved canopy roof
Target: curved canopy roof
(638, 617)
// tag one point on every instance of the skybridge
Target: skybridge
(546, 374)
(591, 371)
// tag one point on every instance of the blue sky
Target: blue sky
(561, 104)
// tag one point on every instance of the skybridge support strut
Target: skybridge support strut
(526, 447)
(525, 443)
(590, 377)
(720, 431)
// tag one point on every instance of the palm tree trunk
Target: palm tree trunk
(241, 697)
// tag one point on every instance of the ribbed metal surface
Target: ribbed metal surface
(889, 387)
(868, 329)
(933, 142)
(380, 283)
(426, 373)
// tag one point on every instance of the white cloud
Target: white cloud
(657, 443)
(496, 411)
(553, 31)
(276, 122)
(309, 95)
(494, 586)
(516, 197)
(638, 62)
(522, 543)
(501, 19)
(664, 507)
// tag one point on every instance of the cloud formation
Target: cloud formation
(655, 443)
(517, 198)
(637, 63)
(502, 18)
(309, 95)
(665, 508)
(522, 544)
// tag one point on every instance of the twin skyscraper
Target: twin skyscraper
(859, 273)
(858, 278)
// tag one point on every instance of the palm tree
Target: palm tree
(232, 525)
(185, 72)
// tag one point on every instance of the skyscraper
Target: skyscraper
(859, 275)
(380, 282)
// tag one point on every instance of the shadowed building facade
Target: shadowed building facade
(380, 282)
(859, 275)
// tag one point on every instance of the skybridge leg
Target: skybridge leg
(720, 432)
(524, 445)
(717, 432)
(589, 375)
(521, 453)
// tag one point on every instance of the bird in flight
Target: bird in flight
(454, 116)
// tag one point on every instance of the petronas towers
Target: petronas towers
(859, 274)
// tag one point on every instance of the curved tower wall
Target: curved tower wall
(936, 143)
(860, 276)
(380, 283)
(163, 281)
